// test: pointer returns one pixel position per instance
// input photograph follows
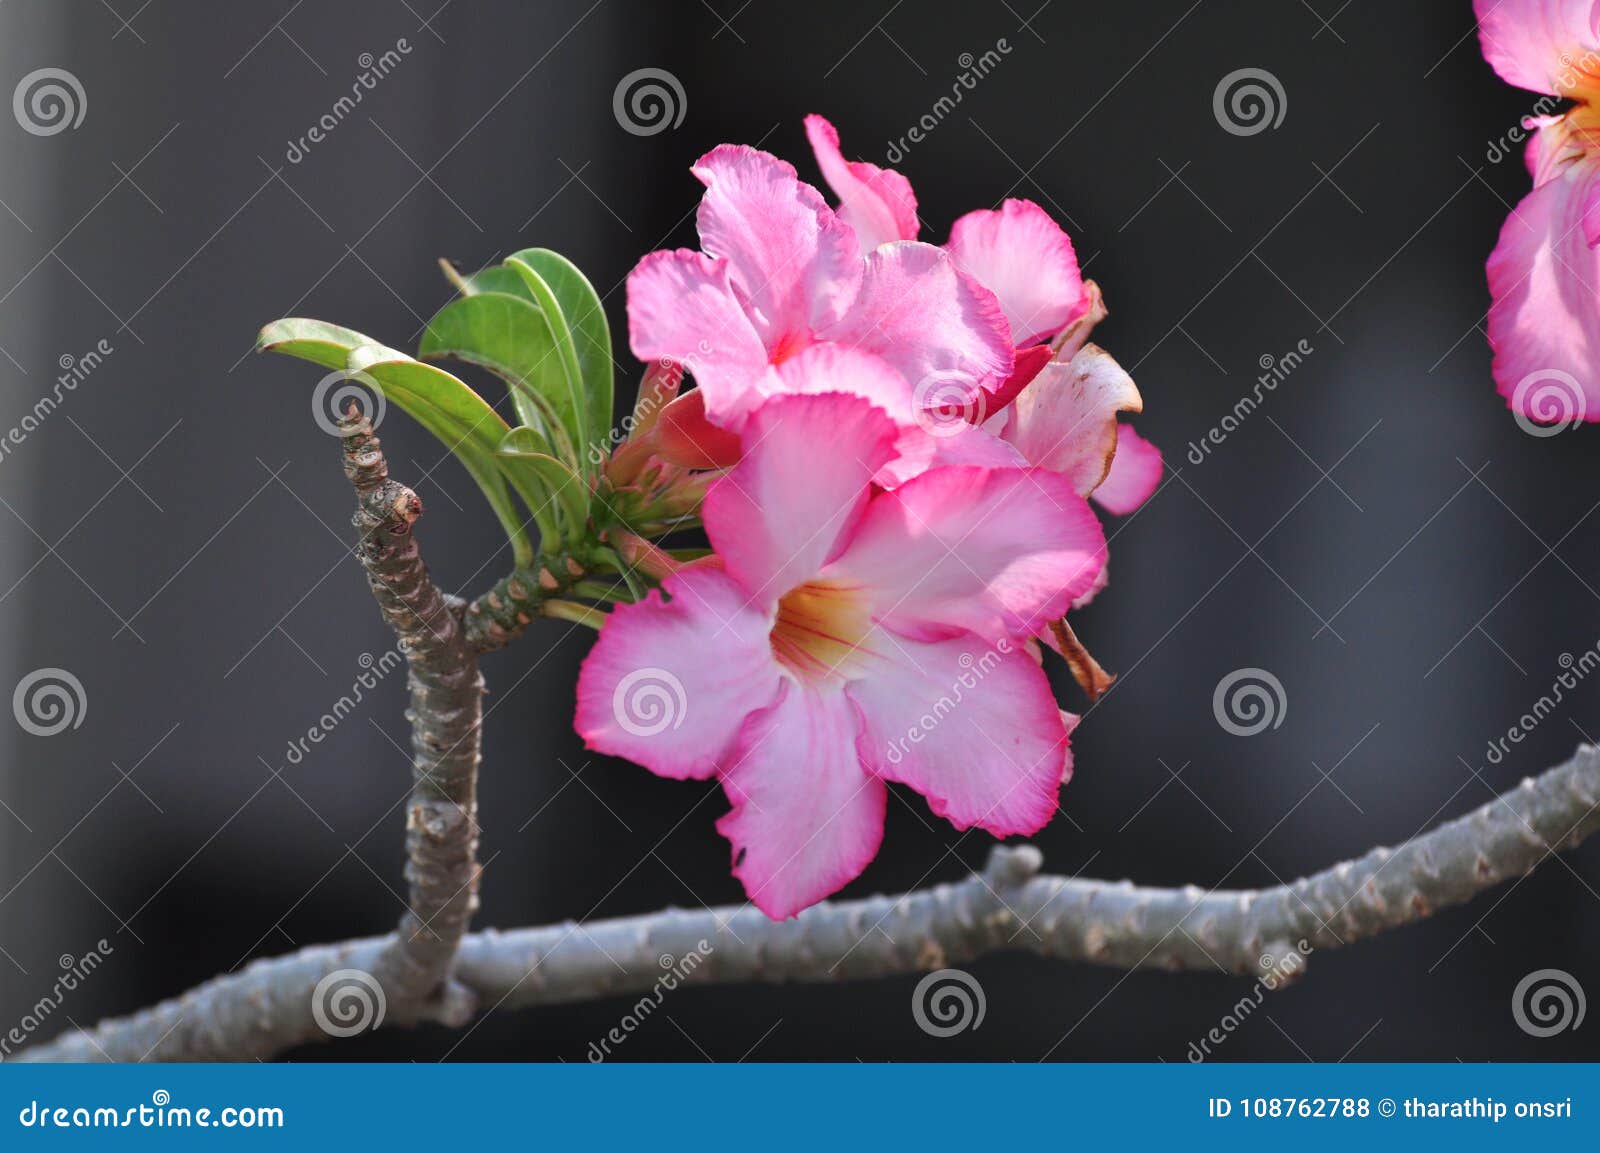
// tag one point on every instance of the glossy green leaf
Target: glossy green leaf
(510, 337)
(591, 334)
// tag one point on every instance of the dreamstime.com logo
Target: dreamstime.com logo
(1249, 701)
(49, 100)
(649, 701)
(49, 701)
(1248, 101)
(1548, 402)
(333, 396)
(347, 1002)
(648, 101)
(1547, 1002)
(947, 1002)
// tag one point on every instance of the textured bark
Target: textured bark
(267, 1007)
(446, 714)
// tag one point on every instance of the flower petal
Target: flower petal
(682, 435)
(1066, 420)
(877, 202)
(807, 818)
(669, 683)
(929, 320)
(1135, 473)
(972, 727)
(793, 262)
(1024, 258)
(992, 551)
(777, 518)
(681, 308)
(1535, 44)
(1544, 322)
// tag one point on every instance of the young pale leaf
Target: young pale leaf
(509, 336)
(591, 333)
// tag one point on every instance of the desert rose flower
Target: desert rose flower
(1065, 398)
(844, 637)
(1544, 274)
(780, 273)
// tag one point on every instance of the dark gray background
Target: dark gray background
(184, 490)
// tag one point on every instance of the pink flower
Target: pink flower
(1544, 274)
(844, 637)
(1064, 402)
(781, 273)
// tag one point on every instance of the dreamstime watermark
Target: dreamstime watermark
(647, 409)
(373, 69)
(1275, 370)
(74, 371)
(1249, 701)
(1566, 80)
(1248, 101)
(947, 404)
(347, 1002)
(973, 69)
(947, 1002)
(676, 970)
(1547, 1002)
(334, 394)
(49, 701)
(973, 670)
(1574, 671)
(648, 101)
(1275, 973)
(74, 971)
(649, 701)
(49, 100)
(1548, 401)
(375, 670)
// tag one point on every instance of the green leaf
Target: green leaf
(566, 352)
(510, 337)
(591, 335)
(443, 405)
(495, 278)
(523, 448)
(315, 340)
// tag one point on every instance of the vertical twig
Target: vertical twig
(446, 714)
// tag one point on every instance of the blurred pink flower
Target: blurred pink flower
(1544, 274)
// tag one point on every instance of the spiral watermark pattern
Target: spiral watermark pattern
(947, 1002)
(947, 404)
(1248, 101)
(1548, 402)
(1547, 1002)
(49, 100)
(1249, 701)
(648, 101)
(649, 701)
(335, 393)
(49, 701)
(347, 1002)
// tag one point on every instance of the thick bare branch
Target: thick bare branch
(267, 1007)
(446, 714)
